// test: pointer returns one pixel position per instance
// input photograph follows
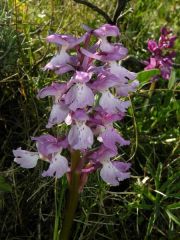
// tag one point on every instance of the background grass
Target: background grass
(143, 207)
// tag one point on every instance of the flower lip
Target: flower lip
(79, 96)
(58, 167)
(80, 136)
(25, 158)
(112, 173)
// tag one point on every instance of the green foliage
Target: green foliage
(4, 186)
(144, 77)
(144, 207)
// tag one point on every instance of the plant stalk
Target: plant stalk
(151, 90)
(73, 196)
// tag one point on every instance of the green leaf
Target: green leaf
(158, 175)
(4, 186)
(174, 206)
(172, 79)
(151, 222)
(145, 76)
(172, 217)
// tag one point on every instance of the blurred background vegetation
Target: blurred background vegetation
(144, 207)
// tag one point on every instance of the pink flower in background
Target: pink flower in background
(88, 105)
(162, 54)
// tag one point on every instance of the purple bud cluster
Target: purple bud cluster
(89, 103)
(162, 54)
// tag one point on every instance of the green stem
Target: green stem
(59, 196)
(73, 196)
(56, 223)
(151, 90)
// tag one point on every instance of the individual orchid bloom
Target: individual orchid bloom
(124, 89)
(103, 32)
(110, 137)
(58, 61)
(166, 40)
(58, 114)
(104, 81)
(100, 154)
(101, 117)
(59, 109)
(121, 73)
(112, 172)
(58, 166)
(64, 68)
(55, 90)
(80, 136)
(118, 77)
(165, 71)
(25, 158)
(112, 104)
(65, 41)
(106, 30)
(79, 95)
(48, 145)
(153, 46)
(118, 52)
(152, 63)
